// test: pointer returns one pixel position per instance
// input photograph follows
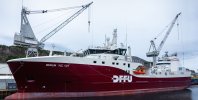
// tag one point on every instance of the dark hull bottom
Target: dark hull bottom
(43, 95)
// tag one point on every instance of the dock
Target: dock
(7, 82)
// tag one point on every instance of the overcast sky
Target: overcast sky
(142, 20)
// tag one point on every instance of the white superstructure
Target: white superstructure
(169, 66)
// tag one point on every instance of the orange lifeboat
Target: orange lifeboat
(139, 70)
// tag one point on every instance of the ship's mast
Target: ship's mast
(114, 40)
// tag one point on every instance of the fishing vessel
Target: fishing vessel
(101, 71)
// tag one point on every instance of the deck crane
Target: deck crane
(156, 51)
(40, 44)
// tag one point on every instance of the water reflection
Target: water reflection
(194, 90)
(173, 95)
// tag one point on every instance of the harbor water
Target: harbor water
(186, 94)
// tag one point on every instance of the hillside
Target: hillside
(12, 52)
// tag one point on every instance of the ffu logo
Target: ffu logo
(121, 78)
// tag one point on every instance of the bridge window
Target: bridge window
(94, 62)
(113, 63)
(117, 63)
(103, 62)
(124, 63)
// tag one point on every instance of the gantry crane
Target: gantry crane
(156, 51)
(26, 36)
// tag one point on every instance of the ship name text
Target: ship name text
(58, 65)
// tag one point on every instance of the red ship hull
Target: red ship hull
(36, 80)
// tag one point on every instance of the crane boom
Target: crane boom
(168, 32)
(64, 24)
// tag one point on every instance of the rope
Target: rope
(54, 24)
(89, 17)
(52, 10)
(49, 20)
(159, 34)
(178, 28)
(183, 54)
(68, 8)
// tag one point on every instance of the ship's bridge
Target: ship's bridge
(118, 51)
(106, 56)
(98, 53)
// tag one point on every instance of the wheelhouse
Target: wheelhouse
(119, 51)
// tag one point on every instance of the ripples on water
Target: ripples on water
(187, 94)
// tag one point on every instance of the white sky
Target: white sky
(142, 20)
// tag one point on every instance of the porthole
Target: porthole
(128, 65)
